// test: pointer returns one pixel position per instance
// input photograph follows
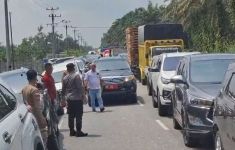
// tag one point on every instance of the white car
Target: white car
(18, 128)
(163, 68)
(59, 69)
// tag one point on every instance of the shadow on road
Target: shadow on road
(140, 99)
(93, 136)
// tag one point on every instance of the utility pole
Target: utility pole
(53, 16)
(74, 35)
(12, 45)
(66, 33)
(78, 41)
(8, 67)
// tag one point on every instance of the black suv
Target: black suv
(224, 113)
(198, 81)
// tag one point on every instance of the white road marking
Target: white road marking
(140, 104)
(162, 125)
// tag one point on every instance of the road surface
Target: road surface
(126, 127)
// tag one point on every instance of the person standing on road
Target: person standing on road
(49, 82)
(31, 97)
(73, 92)
(93, 84)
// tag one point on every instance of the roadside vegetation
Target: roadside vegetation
(210, 24)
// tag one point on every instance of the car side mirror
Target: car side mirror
(177, 79)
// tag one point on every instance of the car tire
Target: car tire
(161, 109)
(153, 99)
(189, 141)
(217, 142)
(149, 89)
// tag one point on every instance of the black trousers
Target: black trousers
(75, 111)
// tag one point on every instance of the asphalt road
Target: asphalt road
(126, 127)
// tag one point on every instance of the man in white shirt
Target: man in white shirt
(93, 84)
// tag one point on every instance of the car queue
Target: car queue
(196, 89)
(199, 94)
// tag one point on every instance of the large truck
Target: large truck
(147, 41)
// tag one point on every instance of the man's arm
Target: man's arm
(79, 84)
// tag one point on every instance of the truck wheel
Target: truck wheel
(153, 99)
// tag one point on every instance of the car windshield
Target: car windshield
(170, 63)
(209, 71)
(109, 65)
(57, 76)
(16, 81)
(160, 50)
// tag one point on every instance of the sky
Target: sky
(28, 15)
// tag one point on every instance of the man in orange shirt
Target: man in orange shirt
(49, 82)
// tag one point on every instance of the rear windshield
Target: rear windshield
(57, 76)
(170, 63)
(113, 64)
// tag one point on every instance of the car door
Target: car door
(155, 74)
(153, 65)
(10, 123)
(180, 90)
(228, 114)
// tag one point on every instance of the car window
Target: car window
(178, 68)
(57, 76)
(159, 63)
(153, 65)
(231, 87)
(9, 97)
(7, 102)
(184, 72)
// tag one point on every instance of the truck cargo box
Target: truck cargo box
(160, 32)
(132, 45)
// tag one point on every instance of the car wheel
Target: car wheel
(149, 89)
(188, 139)
(217, 142)
(161, 108)
(153, 99)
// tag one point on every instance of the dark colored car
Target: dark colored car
(224, 113)
(198, 81)
(119, 81)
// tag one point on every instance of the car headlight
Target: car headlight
(201, 102)
(165, 81)
(129, 78)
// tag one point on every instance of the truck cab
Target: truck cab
(153, 48)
